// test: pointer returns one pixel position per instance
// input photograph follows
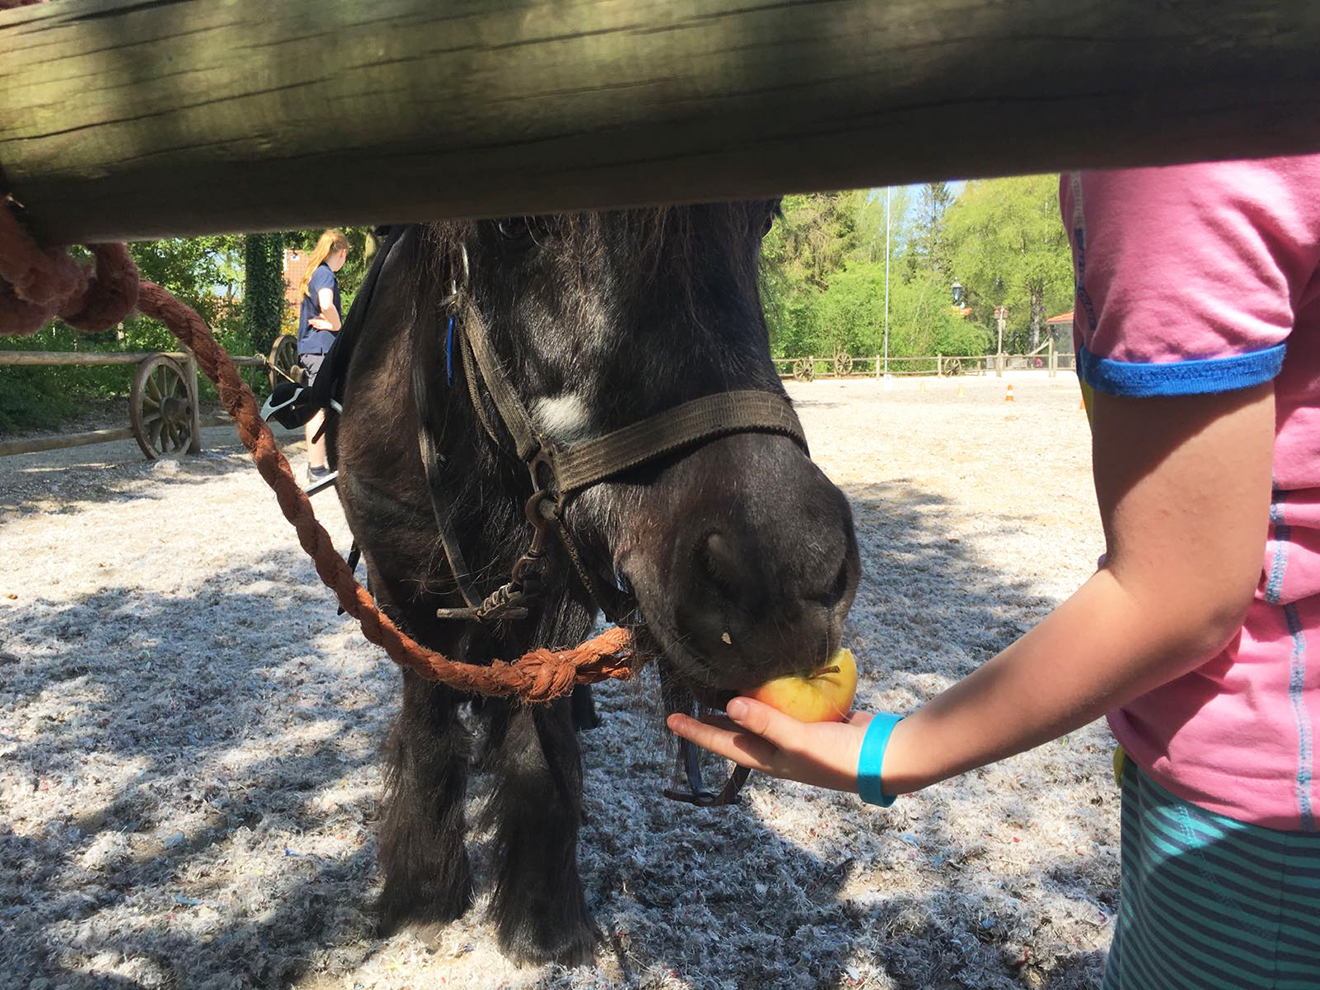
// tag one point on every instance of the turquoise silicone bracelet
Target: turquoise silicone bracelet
(872, 760)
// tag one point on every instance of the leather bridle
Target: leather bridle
(559, 473)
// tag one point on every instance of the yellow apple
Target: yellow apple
(824, 696)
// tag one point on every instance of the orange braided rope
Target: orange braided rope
(36, 285)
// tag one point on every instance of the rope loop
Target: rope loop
(38, 284)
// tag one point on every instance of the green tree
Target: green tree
(817, 235)
(823, 278)
(851, 310)
(263, 288)
(814, 236)
(206, 273)
(922, 320)
(1009, 249)
(929, 244)
(870, 224)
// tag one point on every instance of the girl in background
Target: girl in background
(318, 323)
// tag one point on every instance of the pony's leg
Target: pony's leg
(584, 708)
(536, 808)
(427, 875)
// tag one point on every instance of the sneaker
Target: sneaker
(315, 474)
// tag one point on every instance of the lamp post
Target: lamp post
(1001, 317)
(958, 293)
(886, 281)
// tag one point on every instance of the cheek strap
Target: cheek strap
(869, 765)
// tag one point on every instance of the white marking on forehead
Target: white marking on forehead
(563, 419)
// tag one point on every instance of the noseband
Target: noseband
(559, 473)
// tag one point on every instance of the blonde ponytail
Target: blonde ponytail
(330, 242)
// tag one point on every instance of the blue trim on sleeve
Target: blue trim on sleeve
(872, 759)
(1196, 377)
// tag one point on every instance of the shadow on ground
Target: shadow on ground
(193, 785)
(78, 479)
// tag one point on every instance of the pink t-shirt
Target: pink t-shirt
(1204, 278)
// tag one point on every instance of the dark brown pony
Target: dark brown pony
(736, 554)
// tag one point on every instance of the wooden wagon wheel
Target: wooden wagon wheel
(160, 407)
(804, 370)
(282, 365)
(843, 365)
(953, 366)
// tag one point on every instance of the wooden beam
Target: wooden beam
(125, 119)
(34, 445)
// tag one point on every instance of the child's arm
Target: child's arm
(1184, 488)
(325, 299)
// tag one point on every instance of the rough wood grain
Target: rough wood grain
(143, 118)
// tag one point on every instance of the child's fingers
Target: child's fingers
(768, 723)
(743, 748)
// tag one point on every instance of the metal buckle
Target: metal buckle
(543, 458)
(513, 599)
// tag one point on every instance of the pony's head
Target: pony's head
(739, 551)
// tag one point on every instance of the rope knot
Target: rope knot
(37, 285)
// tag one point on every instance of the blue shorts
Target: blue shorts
(1211, 903)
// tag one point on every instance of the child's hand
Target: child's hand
(755, 735)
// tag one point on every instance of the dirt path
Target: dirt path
(188, 741)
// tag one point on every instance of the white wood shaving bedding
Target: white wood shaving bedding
(189, 741)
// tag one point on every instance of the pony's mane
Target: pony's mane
(653, 233)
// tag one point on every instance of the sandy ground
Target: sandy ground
(189, 741)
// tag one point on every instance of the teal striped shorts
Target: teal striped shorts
(1211, 903)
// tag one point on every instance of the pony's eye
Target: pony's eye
(515, 229)
(523, 232)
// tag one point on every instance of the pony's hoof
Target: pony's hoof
(528, 947)
(425, 923)
(426, 932)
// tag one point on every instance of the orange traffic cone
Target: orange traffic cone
(1008, 396)
(1081, 404)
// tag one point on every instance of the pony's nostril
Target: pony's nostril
(720, 563)
(838, 589)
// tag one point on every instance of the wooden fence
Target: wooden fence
(1044, 358)
(140, 430)
(122, 119)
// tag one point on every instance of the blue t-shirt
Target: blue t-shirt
(311, 341)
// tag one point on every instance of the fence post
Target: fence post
(877, 366)
(190, 369)
(939, 365)
(1054, 358)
